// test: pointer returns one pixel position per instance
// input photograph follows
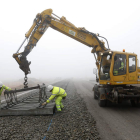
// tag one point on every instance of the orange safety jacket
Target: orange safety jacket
(57, 91)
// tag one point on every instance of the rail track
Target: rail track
(28, 104)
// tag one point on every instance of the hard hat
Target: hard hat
(1, 84)
(49, 88)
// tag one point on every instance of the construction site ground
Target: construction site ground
(81, 119)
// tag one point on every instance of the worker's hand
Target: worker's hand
(44, 103)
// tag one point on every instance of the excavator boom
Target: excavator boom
(48, 19)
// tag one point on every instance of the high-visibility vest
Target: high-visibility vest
(122, 65)
(118, 65)
(4, 87)
(57, 91)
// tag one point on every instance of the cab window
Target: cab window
(105, 67)
(132, 63)
(119, 64)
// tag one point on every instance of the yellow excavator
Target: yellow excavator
(117, 73)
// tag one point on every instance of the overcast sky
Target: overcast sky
(57, 55)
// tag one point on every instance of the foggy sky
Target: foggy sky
(57, 55)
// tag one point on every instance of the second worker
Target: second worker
(59, 93)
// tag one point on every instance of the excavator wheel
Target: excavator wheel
(95, 94)
(102, 103)
(134, 103)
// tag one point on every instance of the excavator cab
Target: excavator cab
(119, 75)
(107, 60)
(119, 65)
(118, 68)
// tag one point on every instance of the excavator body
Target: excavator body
(118, 72)
(113, 73)
(118, 76)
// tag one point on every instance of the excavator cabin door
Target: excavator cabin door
(132, 67)
(120, 68)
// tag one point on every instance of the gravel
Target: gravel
(73, 123)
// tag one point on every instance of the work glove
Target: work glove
(44, 103)
(64, 98)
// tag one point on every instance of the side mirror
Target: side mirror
(95, 71)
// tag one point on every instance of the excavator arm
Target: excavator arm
(48, 19)
(36, 31)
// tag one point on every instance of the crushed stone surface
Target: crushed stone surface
(74, 122)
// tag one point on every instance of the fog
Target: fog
(57, 55)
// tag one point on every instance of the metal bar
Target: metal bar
(9, 105)
(95, 57)
(37, 111)
(55, 15)
(129, 96)
(42, 86)
(20, 90)
(21, 45)
(11, 98)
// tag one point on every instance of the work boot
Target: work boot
(61, 105)
(58, 110)
(58, 107)
(62, 108)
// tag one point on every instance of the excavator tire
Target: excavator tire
(134, 103)
(95, 89)
(102, 103)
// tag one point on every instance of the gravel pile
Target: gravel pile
(73, 123)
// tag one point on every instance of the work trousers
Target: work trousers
(0, 102)
(58, 103)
